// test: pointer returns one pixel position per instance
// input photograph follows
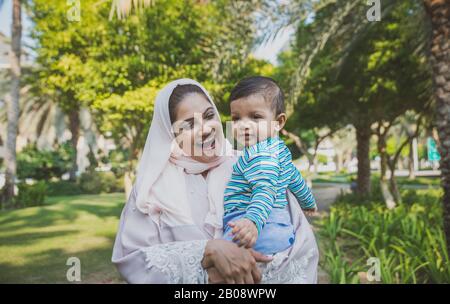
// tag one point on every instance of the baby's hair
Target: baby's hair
(265, 86)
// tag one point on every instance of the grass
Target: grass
(36, 242)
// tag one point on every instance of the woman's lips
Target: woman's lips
(210, 145)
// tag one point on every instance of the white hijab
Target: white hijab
(160, 182)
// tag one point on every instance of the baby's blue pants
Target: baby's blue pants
(277, 234)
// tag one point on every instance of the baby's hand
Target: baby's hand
(244, 231)
(310, 212)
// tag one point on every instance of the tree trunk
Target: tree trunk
(411, 167)
(394, 190)
(339, 159)
(439, 12)
(74, 126)
(12, 105)
(363, 134)
(387, 195)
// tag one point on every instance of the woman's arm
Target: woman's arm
(142, 257)
(143, 253)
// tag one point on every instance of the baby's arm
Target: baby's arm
(301, 190)
(261, 170)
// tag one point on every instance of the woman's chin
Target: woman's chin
(205, 158)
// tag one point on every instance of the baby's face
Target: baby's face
(253, 120)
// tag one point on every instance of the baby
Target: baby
(255, 204)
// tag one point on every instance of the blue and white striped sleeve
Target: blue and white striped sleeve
(300, 189)
(261, 170)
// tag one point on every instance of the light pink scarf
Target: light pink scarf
(160, 183)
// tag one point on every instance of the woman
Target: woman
(171, 226)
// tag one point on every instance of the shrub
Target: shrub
(408, 240)
(31, 195)
(44, 164)
(93, 182)
(63, 188)
(90, 182)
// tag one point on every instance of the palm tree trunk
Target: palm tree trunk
(439, 12)
(12, 104)
(411, 169)
(363, 134)
(74, 126)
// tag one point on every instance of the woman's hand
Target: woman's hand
(232, 264)
(214, 276)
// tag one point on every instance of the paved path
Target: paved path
(326, 194)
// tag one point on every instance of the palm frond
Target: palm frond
(123, 8)
(275, 16)
(360, 28)
(312, 49)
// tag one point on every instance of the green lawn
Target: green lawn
(36, 242)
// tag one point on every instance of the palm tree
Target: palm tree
(350, 17)
(439, 14)
(12, 103)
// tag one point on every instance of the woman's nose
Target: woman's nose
(206, 129)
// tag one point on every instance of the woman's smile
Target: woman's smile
(208, 144)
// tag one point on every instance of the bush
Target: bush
(31, 195)
(44, 164)
(93, 182)
(90, 182)
(409, 240)
(62, 187)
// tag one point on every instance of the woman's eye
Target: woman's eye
(209, 116)
(188, 125)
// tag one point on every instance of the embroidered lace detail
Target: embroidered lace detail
(179, 261)
(295, 272)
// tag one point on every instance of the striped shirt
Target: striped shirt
(260, 180)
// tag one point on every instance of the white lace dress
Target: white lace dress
(147, 253)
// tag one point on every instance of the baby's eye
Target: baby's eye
(234, 118)
(257, 116)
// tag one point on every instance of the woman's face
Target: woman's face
(197, 128)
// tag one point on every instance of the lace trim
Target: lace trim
(179, 261)
(295, 271)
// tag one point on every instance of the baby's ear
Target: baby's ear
(281, 119)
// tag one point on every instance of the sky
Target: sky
(268, 51)
(5, 22)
